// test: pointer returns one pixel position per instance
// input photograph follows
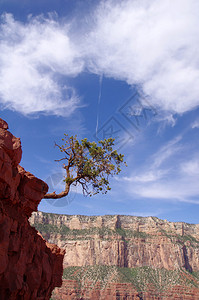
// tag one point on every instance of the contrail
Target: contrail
(99, 100)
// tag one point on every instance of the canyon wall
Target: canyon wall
(30, 267)
(124, 257)
(124, 241)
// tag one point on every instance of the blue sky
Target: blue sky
(107, 68)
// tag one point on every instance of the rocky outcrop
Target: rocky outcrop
(30, 267)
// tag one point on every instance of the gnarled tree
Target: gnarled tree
(88, 164)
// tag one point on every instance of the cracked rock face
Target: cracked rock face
(30, 267)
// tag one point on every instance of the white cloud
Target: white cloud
(32, 56)
(195, 124)
(158, 166)
(191, 167)
(149, 175)
(166, 152)
(168, 174)
(181, 189)
(150, 43)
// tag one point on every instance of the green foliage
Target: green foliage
(184, 238)
(90, 164)
(81, 234)
(100, 274)
(181, 239)
(141, 278)
(196, 274)
(47, 229)
(121, 231)
(127, 233)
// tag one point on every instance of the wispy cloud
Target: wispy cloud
(166, 152)
(147, 176)
(169, 174)
(181, 189)
(191, 167)
(154, 169)
(195, 124)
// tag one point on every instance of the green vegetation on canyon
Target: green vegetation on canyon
(65, 232)
(142, 279)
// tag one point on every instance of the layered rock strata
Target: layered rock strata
(30, 267)
(127, 284)
(124, 257)
(123, 241)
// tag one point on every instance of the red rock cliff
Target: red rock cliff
(30, 267)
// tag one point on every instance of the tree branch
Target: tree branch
(53, 195)
(56, 196)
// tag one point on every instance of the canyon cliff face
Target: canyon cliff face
(123, 241)
(30, 267)
(152, 257)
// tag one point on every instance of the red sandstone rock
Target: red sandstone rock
(3, 124)
(123, 291)
(30, 267)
